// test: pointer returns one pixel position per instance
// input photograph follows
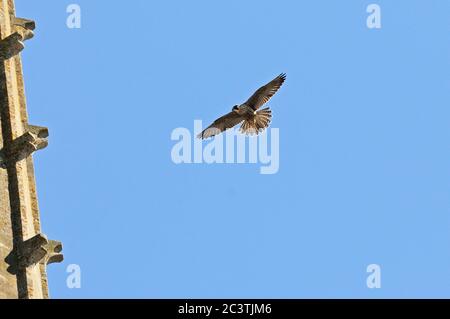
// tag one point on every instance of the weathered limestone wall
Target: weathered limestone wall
(24, 251)
(8, 285)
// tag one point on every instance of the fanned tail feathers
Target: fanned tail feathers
(258, 123)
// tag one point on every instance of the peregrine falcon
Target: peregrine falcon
(253, 121)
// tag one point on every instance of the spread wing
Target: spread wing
(221, 124)
(263, 94)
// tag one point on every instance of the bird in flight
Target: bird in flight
(253, 121)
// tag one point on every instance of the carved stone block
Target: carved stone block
(13, 44)
(34, 139)
(37, 249)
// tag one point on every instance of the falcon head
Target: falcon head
(235, 108)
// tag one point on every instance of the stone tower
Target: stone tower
(24, 250)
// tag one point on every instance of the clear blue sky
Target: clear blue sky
(364, 123)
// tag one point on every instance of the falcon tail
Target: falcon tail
(258, 123)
